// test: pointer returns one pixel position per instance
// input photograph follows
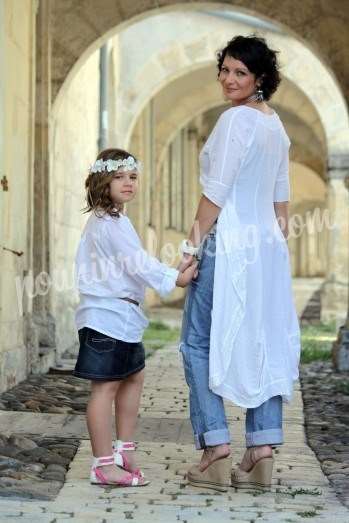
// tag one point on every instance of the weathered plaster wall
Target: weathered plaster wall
(17, 24)
(74, 148)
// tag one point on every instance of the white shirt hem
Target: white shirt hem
(280, 387)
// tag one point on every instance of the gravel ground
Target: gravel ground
(34, 468)
(52, 393)
(326, 405)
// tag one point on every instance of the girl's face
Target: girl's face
(123, 187)
(237, 82)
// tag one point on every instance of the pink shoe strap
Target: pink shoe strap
(125, 481)
(126, 465)
(103, 461)
(125, 461)
(124, 445)
(99, 475)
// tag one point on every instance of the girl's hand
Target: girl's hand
(187, 275)
(185, 262)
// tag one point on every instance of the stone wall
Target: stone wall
(74, 147)
(17, 25)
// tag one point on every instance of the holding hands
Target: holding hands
(187, 270)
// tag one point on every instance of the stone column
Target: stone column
(340, 350)
(334, 297)
(304, 254)
(185, 173)
(335, 292)
(43, 320)
(193, 174)
(312, 256)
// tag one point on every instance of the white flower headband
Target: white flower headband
(128, 164)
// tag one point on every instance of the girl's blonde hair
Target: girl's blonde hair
(97, 186)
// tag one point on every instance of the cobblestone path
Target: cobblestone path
(300, 490)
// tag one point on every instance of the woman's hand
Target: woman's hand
(187, 275)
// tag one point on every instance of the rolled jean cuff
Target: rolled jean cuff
(265, 437)
(212, 438)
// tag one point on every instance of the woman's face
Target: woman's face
(237, 82)
(123, 187)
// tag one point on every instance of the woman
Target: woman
(240, 335)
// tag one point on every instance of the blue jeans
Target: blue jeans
(207, 414)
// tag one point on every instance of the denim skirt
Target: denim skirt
(104, 358)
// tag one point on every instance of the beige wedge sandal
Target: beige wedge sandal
(216, 476)
(259, 477)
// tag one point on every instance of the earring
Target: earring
(259, 94)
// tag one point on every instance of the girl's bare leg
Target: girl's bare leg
(99, 423)
(127, 401)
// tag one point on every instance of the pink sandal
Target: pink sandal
(120, 457)
(98, 478)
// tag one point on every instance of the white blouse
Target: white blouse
(223, 154)
(111, 264)
(255, 336)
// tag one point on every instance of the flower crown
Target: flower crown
(127, 164)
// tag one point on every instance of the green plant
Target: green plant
(307, 514)
(158, 334)
(314, 354)
(317, 341)
(158, 325)
(298, 491)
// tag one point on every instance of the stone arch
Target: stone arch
(194, 56)
(79, 26)
(300, 65)
(196, 92)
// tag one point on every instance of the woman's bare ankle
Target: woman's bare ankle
(263, 451)
(254, 454)
(212, 454)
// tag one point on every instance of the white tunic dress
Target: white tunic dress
(255, 336)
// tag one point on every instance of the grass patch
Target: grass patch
(307, 514)
(317, 341)
(158, 334)
(299, 491)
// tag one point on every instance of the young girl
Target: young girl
(112, 273)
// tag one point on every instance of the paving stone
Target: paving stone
(165, 453)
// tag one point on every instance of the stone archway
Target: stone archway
(192, 56)
(83, 25)
(301, 65)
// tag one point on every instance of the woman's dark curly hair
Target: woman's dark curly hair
(257, 57)
(97, 186)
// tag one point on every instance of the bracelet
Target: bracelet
(186, 248)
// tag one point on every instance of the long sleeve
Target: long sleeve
(227, 147)
(282, 182)
(127, 252)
